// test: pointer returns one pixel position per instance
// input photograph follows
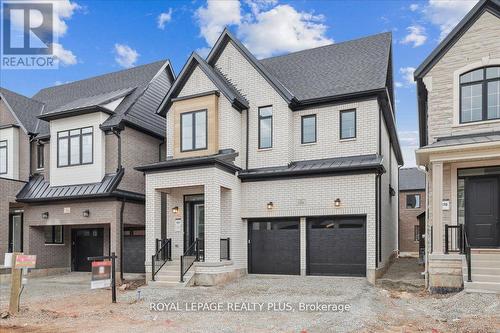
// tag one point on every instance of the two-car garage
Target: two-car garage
(335, 245)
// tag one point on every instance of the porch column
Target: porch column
(153, 223)
(437, 212)
(212, 222)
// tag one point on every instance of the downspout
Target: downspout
(30, 152)
(122, 238)
(247, 135)
(117, 132)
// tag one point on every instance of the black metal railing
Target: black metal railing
(162, 255)
(225, 252)
(195, 252)
(468, 257)
(453, 239)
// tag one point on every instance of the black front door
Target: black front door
(194, 226)
(16, 232)
(86, 243)
(482, 211)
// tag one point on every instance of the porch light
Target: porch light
(86, 213)
(337, 202)
(270, 205)
(175, 210)
(45, 215)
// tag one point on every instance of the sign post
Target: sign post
(19, 261)
(103, 273)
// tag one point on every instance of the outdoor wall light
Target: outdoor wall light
(337, 202)
(270, 205)
(86, 213)
(175, 210)
(45, 215)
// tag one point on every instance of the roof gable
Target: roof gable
(411, 179)
(24, 109)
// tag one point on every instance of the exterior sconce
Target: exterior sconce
(86, 213)
(45, 215)
(175, 210)
(337, 202)
(270, 205)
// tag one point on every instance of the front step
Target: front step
(485, 268)
(482, 287)
(170, 273)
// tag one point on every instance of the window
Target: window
(347, 124)
(265, 127)
(194, 130)
(75, 147)
(54, 234)
(3, 157)
(416, 233)
(412, 201)
(480, 95)
(308, 124)
(39, 156)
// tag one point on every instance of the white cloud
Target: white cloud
(416, 36)
(164, 18)
(409, 143)
(65, 57)
(407, 75)
(447, 13)
(398, 84)
(63, 10)
(213, 17)
(125, 55)
(414, 7)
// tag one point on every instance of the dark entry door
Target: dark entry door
(86, 243)
(194, 226)
(482, 211)
(336, 246)
(274, 247)
(16, 232)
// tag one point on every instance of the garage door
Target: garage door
(134, 253)
(274, 247)
(336, 246)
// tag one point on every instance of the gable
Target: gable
(197, 83)
(6, 116)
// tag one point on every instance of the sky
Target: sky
(101, 36)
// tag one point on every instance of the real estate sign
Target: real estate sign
(25, 261)
(101, 274)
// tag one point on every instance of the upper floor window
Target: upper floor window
(480, 95)
(347, 124)
(3, 157)
(194, 130)
(75, 147)
(412, 201)
(308, 124)
(39, 156)
(265, 127)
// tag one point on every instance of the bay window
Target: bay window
(194, 130)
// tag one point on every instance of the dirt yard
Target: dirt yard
(66, 304)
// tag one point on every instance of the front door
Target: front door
(86, 243)
(194, 228)
(16, 232)
(482, 211)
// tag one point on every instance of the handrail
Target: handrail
(163, 254)
(191, 255)
(468, 256)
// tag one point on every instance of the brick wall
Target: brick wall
(408, 220)
(10, 188)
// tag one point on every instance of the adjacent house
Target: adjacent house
(71, 151)
(284, 165)
(459, 115)
(411, 205)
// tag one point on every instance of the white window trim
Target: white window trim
(486, 61)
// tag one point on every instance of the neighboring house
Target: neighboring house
(83, 197)
(459, 110)
(411, 205)
(285, 165)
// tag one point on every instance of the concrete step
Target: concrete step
(485, 256)
(485, 251)
(483, 278)
(484, 263)
(483, 270)
(482, 287)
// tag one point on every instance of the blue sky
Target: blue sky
(97, 36)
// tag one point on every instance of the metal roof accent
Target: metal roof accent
(411, 179)
(464, 139)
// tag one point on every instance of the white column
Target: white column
(437, 213)
(303, 240)
(153, 222)
(212, 222)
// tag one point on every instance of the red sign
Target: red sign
(25, 261)
(101, 274)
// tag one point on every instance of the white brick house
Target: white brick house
(294, 159)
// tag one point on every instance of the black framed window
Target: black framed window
(412, 201)
(416, 233)
(194, 128)
(75, 147)
(265, 127)
(308, 128)
(54, 234)
(347, 124)
(3, 157)
(480, 95)
(39, 156)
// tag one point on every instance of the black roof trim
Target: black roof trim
(301, 105)
(492, 6)
(9, 126)
(203, 94)
(14, 180)
(466, 136)
(74, 112)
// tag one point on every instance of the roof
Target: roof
(24, 109)
(336, 69)
(492, 6)
(411, 179)
(455, 140)
(39, 190)
(362, 163)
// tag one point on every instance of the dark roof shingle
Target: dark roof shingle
(26, 109)
(411, 179)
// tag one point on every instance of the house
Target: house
(459, 115)
(284, 165)
(73, 191)
(411, 204)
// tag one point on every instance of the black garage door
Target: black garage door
(336, 246)
(274, 247)
(86, 243)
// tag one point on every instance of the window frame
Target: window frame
(53, 238)
(40, 158)
(355, 123)
(419, 200)
(259, 130)
(81, 146)
(302, 118)
(6, 147)
(484, 91)
(193, 129)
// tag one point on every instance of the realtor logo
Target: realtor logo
(27, 35)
